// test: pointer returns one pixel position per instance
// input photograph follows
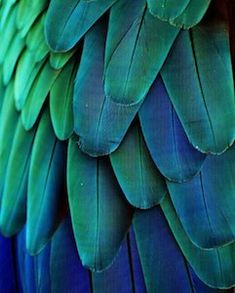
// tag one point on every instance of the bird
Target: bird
(117, 154)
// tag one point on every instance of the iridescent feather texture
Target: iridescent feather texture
(117, 128)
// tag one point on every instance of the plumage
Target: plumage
(9, 63)
(61, 101)
(167, 142)
(205, 203)
(8, 122)
(197, 61)
(142, 184)
(46, 200)
(98, 208)
(215, 267)
(28, 12)
(117, 146)
(184, 13)
(100, 123)
(35, 40)
(13, 206)
(37, 95)
(26, 72)
(67, 22)
(140, 33)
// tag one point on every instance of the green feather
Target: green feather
(36, 40)
(37, 95)
(5, 11)
(136, 173)
(46, 200)
(8, 122)
(67, 22)
(133, 33)
(100, 214)
(194, 74)
(61, 99)
(12, 56)
(8, 32)
(26, 72)
(13, 209)
(27, 14)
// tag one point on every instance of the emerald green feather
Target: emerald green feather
(5, 11)
(36, 40)
(100, 214)
(215, 267)
(67, 22)
(136, 173)
(61, 100)
(12, 56)
(193, 74)
(2, 89)
(128, 76)
(13, 208)
(27, 13)
(8, 122)
(8, 32)
(46, 198)
(37, 95)
(26, 72)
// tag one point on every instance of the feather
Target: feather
(183, 13)
(136, 173)
(37, 95)
(136, 34)
(35, 40)
(6, 9)
(8, 32)
(120, 277)
(66, 271)
(215, 267)
(13, 208)
(168, 144)
(26, 72)
(167, 10)
(46, 200)
(12, 56)
(159, 254)
(100, 123)
(190, 76)
(8, 122)
(27, 13)
(61, 95)
(24, 264)
(205, 203)
(192, 14)
(100, 214)
(8, 280)
(67, 22)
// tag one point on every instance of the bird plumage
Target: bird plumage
(117, 124)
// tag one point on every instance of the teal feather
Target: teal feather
(100, 215)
